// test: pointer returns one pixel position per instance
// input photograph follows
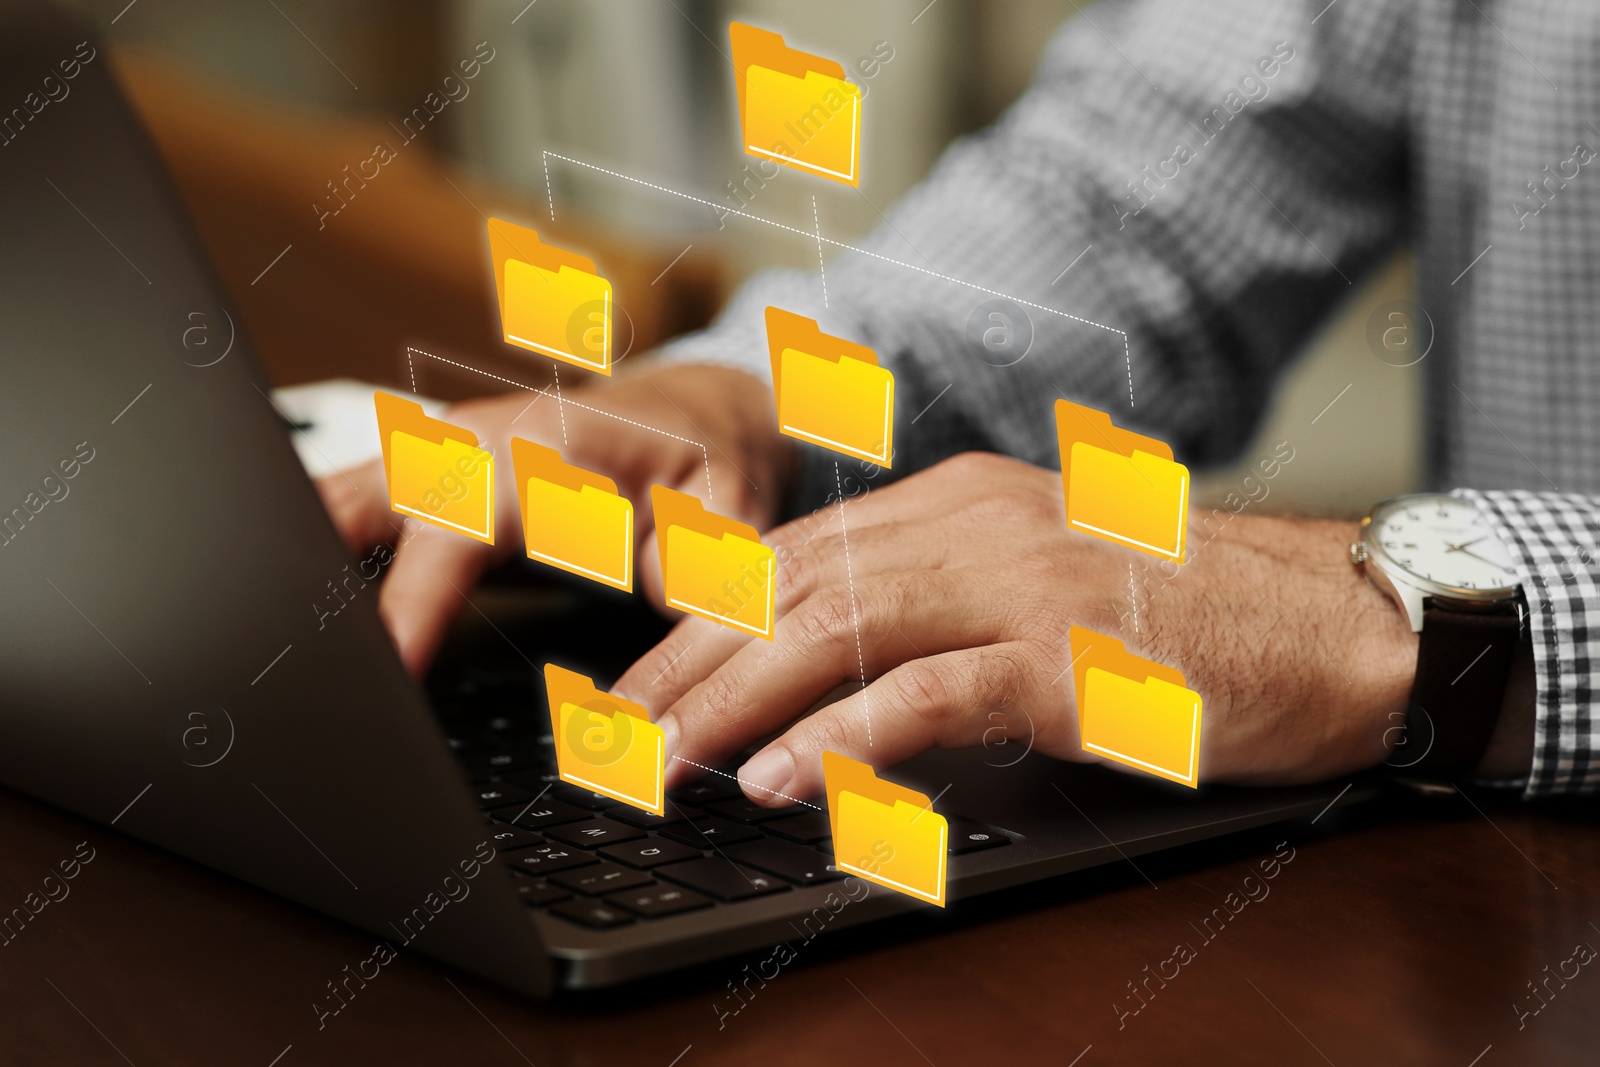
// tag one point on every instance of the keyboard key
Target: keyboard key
(592, 833)
(600, 878)
(547, 858)
(536, 892)
(659, 900)
(499, 795)
(722, 879)
(710, 831)
(469, 741)
(795, 863)
(707, 789)
(634, 817)
(583, 798)
(506, 837)
(592, 913)
(743, 809)
(969, 835)
(513, 731)
(649, 852)
(482, 765)
(535, 780)
(808, 827)
(540, 814)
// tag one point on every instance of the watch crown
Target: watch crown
(1358, 553)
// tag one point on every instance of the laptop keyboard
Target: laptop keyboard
(602, 864)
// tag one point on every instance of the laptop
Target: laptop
(170, 668)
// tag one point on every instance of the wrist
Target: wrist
(1386, 664)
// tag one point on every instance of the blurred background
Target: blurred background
(264, 109)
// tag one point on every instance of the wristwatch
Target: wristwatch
(1442, 564)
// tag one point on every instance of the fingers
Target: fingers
(691, 653)
(358, 502)
(942, 700)
(427, 588)
(693, 483)
(686, 656)
(834, 637)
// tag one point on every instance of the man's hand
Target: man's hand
(610, 427)
(953, 598)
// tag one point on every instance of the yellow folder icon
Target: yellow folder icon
(830, 391)
(572, 518)
(885, 833)
(436, 471)
(794, 107)
(1121, 487)
(551, 301)
(713, 567)
(1136, 712)
(604, 743)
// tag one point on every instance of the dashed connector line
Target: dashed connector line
(861, 663)
(560, 405)
(820, 265)
(549, 196)
(752, 785)
(1126, 352)
(705, 456)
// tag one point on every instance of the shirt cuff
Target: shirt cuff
(1551, 536)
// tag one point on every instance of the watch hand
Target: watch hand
(1493, 563)
(1448, 547)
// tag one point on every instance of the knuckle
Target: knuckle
(922, 687)
(798, 572)
(969, 466)
(997, 678)
(827, 616)
(719, 693)
(825, 732)
(663, 665)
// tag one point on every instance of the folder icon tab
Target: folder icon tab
(885, 833)
(1138, 713)
(1121, 487)
(794, 107)
(551, 301)
(714, 567)
(830, 391)
(436, 471)
(572, 518)
(604, 743)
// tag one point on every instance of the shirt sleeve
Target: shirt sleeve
(1180, 196)
(1554, 537)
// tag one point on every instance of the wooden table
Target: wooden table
(1402, 933)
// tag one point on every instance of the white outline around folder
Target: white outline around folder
(1170, 553)
(617, 794)
(627, 546)
(855, 129)
(712, 616)
(888, 413)
(605, 343)
(1194, 740)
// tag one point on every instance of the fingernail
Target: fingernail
(765, 775)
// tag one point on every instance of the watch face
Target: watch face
(1442, 540)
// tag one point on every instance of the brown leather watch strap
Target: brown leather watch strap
(1463, 662)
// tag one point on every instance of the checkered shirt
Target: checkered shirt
(1183, 195)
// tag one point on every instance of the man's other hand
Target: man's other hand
(675, 426)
